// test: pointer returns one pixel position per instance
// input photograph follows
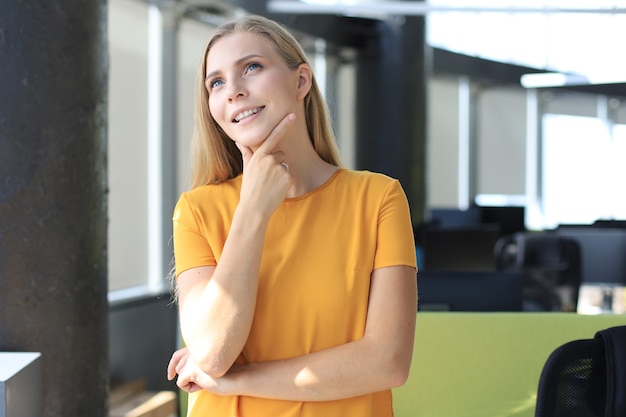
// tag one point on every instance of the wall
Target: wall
(501, 140)
(496, 119)
(192, 39)
(443, 142)
(127, 144)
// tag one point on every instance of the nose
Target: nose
(236, 90)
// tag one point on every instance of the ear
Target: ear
(305, 80)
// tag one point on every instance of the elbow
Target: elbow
(214, 365)
(397, 370)
(398, 376)
(213, 369)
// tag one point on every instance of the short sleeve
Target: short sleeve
(191, 248)
(395, 241)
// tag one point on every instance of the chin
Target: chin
(251, 140)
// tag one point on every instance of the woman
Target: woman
(295, 277)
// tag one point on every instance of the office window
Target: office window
(618, 164)
(134, 42)
(583, 170)
(127, 144)
(524, 36)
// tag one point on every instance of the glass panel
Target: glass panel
(618, 155)
(552, 41)
(127, 153)
(577, 173)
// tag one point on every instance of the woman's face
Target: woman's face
(250, 87)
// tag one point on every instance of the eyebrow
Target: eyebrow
(237, 62)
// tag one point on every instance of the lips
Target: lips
(247, 113)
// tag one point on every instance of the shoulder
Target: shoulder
(367, 180)
(364, 176)
(366, 188)
(210, 196)
(213, 191)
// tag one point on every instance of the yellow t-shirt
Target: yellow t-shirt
(319, 253)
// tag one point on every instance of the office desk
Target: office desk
(486, 364)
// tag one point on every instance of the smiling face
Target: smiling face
(250, 87)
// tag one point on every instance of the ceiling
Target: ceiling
(528, 36)
(485, 39)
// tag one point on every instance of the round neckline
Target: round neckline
(316, 189)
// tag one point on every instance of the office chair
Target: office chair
(585, 378)
(551, 264)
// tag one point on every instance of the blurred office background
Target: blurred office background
(525, 109)
(522, 130)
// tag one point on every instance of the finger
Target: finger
(172, 365)
(179, 357)
(181, 365)
(193, 387)
(184, 383)
(188, 383)
(277, 134)
(246, 153)
(171, 372)
(190, 387)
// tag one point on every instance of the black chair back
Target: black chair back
(585, 378)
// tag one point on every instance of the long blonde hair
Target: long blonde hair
(214, 156)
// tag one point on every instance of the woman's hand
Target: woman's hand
(266, 178)
(190, 376)
(179, 365)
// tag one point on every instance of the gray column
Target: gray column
(53, 180)
(392, 70)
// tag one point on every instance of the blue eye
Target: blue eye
(253, 66)
(215, 83)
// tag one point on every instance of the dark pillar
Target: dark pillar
(392, 71)
(53, 227)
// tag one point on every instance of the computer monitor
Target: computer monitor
(603, 253)
(454, 217)
(511, 219)
(470, 291)
(466, 249)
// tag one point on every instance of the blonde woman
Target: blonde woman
(295, 277)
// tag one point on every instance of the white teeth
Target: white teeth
(247, 113)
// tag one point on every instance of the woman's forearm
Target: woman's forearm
(350, 370)
(378, 361)
(216, 311)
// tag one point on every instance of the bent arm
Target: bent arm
(216, 303)
(379, 361)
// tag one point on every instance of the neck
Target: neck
(308, 176)
(308, 169)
